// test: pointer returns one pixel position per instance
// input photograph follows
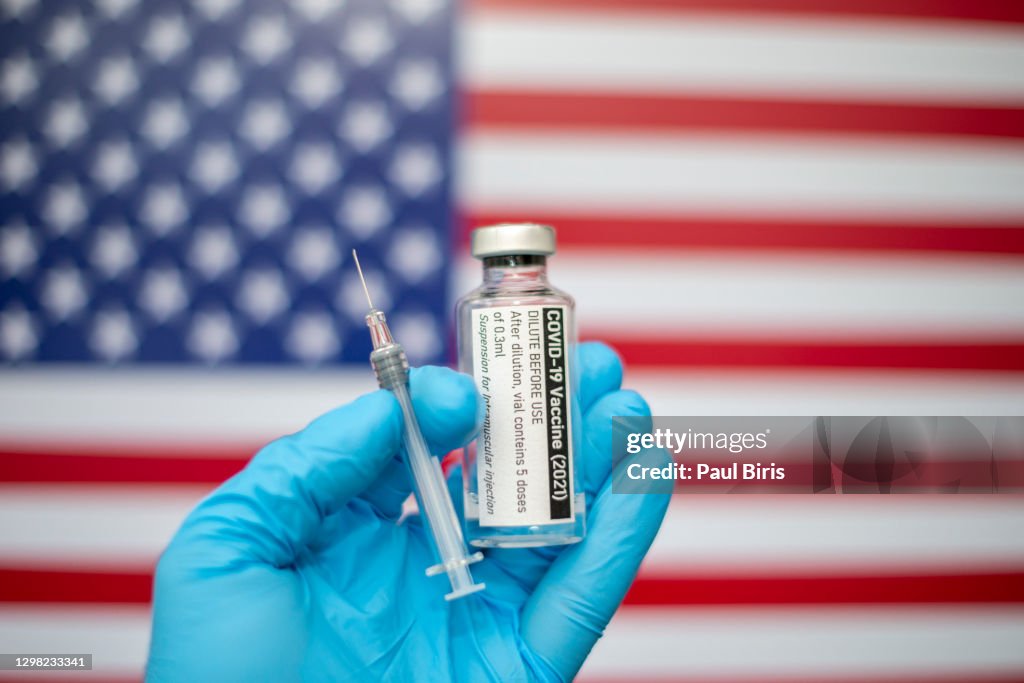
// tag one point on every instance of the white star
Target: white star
(314, 167)
(19, 79)
(114, 9)
(417, 10)
(113, 335)
(116, 79)
(312, 337)
(266, 38)
(419, 335)
(264, 209)
(167, 37)
(166, 122)
(163, 293)
(216, 79)
(415, 168)
(365, 125)
(68, 35)
(364, 210)
(17, 9)
(64, 291)
(367, 40)
(352, 299)
(215, 9)
(113, 250)
(212, 336)
(263, 295)
(315, 81)
(413, 253)
(18, 164)
(317, 10)
(313, 253)
(164, 208)
(65, 123)
(114, 165)
(65, 208)
(416, 83)
(214, 165)
(265, 123)
(213, 251)
(19, 250)
(18, 333)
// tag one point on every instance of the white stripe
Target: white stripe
(860, 392)
(108, 526)
(169, 405)
(503, 171)
(818, 643)
(849, 59)
(835, 534)
(696, 294)
(44, 408)
(117, 637)
(646, 643)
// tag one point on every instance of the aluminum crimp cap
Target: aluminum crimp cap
(505, 239)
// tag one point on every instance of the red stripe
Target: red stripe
(54, 586)
(1007, 11)
(804, 474)
(618, 232)
(528, 109)
(67, 467)
(845, 590)
(719, 353)
(87, 466)
(801, 475)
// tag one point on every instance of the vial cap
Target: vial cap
(507, 239)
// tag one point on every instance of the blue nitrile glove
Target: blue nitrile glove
(295, 568)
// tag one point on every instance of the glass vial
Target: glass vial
(517, 338)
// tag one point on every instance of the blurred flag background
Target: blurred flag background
(769, 207)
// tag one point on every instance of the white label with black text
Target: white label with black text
(524, 451)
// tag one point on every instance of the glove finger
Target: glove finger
(448, 409)
(573, 603)
(600, 372)
(527, 566)
(598, 431)
(274, 507)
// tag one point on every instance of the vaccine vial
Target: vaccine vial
(517, 338)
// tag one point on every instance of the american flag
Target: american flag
(769, 207)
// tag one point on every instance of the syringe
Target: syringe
(392, 368)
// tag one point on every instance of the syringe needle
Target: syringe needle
(362, 279)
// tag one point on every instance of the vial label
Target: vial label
(524, 452)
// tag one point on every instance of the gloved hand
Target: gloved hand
(295, 568)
